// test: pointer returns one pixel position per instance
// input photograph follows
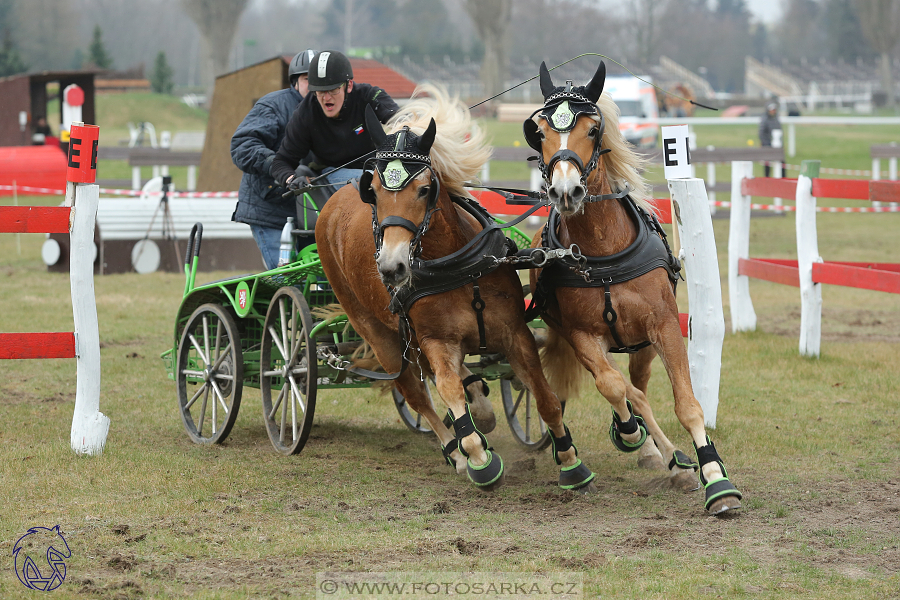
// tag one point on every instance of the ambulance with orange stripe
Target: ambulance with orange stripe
(639, 115)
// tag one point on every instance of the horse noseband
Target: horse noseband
(565, 155)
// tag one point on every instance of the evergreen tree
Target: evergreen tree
(11, 62)
(161, 78)
(97, 53)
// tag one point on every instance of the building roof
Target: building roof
(373, 72)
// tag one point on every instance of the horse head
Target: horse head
(403, 196)
(567, 133)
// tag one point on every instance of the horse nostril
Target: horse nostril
(578, 193)
(553, 194)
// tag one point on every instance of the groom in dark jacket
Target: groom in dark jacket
(253, 148)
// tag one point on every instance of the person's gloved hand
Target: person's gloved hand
(295, 182)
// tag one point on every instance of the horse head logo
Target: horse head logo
(40, 558)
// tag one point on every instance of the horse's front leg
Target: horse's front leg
(415, 391)
(523, 358)
(721, 495)
(484, 466)
(628, 431)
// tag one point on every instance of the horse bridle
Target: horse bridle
(401, 168)
(561, 111)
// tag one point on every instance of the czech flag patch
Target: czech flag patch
(359, 130)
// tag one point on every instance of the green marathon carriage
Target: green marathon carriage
(259, 331)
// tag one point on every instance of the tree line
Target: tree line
(195, 40)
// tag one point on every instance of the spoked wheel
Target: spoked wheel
(524, 421)
(413, 420)
(288, 371)
(210, 374)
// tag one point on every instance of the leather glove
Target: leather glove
(296, 182)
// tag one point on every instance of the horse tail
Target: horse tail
(562, 368)
(329, 311)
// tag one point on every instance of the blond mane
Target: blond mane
(459, 149)
(623, 165)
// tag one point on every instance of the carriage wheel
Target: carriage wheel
(288, 386)
(524, 421)
(210, 374)
(413, 420)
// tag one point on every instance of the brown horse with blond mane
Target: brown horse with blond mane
(435, 291)
(621, 298)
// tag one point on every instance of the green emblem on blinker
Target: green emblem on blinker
(563, 117)
(394, 175)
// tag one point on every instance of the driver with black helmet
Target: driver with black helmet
(331, 124)
(253, 145)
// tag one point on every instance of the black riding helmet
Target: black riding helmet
(300, 64)
(328, 70)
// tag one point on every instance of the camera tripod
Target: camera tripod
(168, 224)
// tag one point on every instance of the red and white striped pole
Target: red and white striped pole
(89, 426)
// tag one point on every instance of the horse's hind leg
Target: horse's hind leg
(662, 453)
(476, 396)
(721, 495)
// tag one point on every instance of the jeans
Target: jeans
(269, 241)
(340, 176)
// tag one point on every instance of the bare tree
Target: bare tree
(491, 19)
(217, 21)
(880, 20)
(646, 25)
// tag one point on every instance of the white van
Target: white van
(639, 114)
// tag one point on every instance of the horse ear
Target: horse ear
(595, 87)
(546, 82)
(373, 125)
(427, 139)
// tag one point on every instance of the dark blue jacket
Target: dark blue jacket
(253, 148)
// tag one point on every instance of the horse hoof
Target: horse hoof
(652, 463)
(575, 477)
(685, 481)
(722, 506)
(590, 488)
(485, 423)
(722, 496)
(616, 437)
(488, 476)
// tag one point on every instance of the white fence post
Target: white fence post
(89, 425)
(706, 325)
(807, 254)
(743, 317)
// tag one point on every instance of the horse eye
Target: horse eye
(423, 191)
(592, 133)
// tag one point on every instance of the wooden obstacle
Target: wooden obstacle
(809, 270)
(89, 425)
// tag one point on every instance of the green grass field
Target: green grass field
(812, 443)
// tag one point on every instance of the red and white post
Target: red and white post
(89, 426)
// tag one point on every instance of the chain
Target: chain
(539, 258)
(332, 359)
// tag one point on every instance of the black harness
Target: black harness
(474, 260)
(650, 249)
